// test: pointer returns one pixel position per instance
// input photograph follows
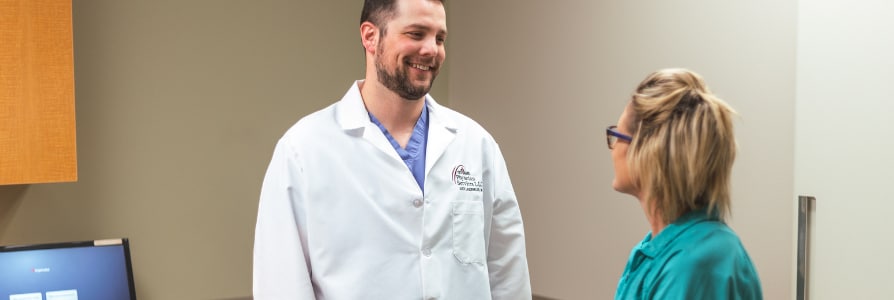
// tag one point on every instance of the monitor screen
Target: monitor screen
(98, 270)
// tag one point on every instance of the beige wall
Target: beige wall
(546, 78)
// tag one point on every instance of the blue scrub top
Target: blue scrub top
(414, 155)
(696, 257)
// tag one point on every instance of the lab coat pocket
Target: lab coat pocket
(468, 231)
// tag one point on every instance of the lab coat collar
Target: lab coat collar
(351, 113)
(352, 116)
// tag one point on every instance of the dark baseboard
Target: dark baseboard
(538, 297)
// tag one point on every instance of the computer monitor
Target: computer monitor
(88, 270)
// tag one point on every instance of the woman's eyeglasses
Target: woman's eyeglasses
(612, 136)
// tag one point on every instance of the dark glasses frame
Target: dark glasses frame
(612, 136)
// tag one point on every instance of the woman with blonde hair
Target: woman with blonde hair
(673, 149)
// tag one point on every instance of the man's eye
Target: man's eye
(415, 35)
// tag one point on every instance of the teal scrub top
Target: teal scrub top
(696, 257)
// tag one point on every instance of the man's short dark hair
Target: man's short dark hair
(379, 12)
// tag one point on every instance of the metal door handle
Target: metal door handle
(805, 205)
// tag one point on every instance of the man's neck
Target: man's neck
(398, 115)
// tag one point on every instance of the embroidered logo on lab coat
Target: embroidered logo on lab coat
(465, 180)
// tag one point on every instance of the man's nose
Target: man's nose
(430, 47)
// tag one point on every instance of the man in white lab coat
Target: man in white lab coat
(386, 194)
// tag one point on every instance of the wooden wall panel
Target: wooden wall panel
(37, 111)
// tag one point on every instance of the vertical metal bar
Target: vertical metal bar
(804, 207)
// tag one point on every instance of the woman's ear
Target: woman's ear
(369, 35)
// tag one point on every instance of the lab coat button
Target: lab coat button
(426, 252)
(417, 203)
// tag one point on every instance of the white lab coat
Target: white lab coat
(342, 218)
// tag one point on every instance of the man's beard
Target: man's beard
(399, 82)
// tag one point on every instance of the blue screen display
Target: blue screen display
(93, 272)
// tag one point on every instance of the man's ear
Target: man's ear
(369, 36)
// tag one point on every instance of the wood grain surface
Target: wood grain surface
(37, 111)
